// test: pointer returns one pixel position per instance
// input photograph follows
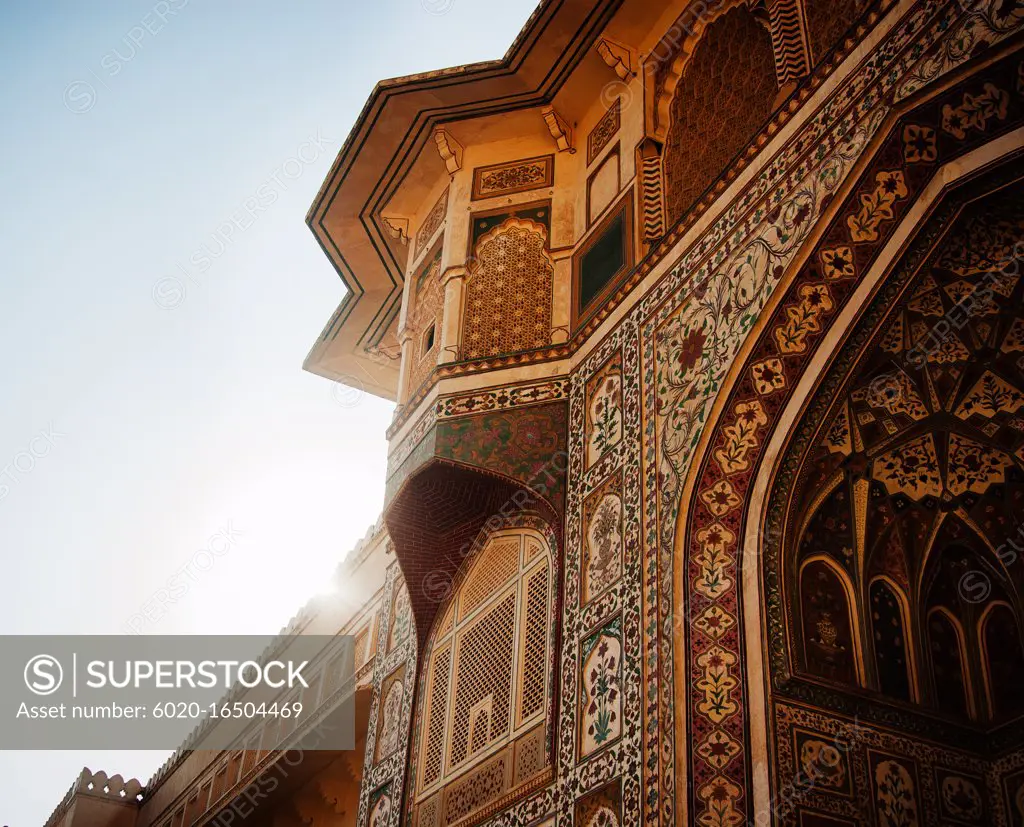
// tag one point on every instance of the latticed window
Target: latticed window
(508, 295)
(482, 731)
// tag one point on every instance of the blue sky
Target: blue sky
(146, 416)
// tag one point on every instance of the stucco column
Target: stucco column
(561, 296)
(405, 339)
(453, 280)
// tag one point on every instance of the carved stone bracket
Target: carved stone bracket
(449, 149)
(559, 129)
(618, 57)
(398, 228)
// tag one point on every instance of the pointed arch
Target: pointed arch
(943, 629)
(670, 57)
(488, 674)
(710, 120)
(822, 632)
(906, 635)
(761, 425)
(831, 484)
(991, 564)
(1002, 660)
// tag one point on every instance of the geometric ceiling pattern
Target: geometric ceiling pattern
(926, 446)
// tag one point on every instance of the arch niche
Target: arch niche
(899, 488)
(849, 440)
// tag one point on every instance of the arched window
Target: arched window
(488, 680)
(949, 673)
(889, 636)
(1003, 661)
(712, 117)
(830, 644)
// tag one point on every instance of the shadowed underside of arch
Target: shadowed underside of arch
(904, 481)
(434, 522)
(916, 470)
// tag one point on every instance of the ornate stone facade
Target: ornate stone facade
(741, 547)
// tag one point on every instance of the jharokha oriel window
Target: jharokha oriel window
(483, 722)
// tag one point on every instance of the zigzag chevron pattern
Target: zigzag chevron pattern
(788, 40)
(653, 198)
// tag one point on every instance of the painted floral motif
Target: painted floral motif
(605, 418)
(975, 111)
(877, 206)
(837, 262)
(961, 799)
(838, 439)
(892, 341)
(896, 394)
(928, 304)
(519, 443)
(976, 299)
(804, 319)
(682, 405)
(990, 395)
(683, 413)
(714, 622)
(603, 565)
(401, 622)
(1014, 341)
(719, 748)
(973, 466)
(911, 469)
(985, 24)
(391, 728)
(721, 498)
(600, 808)
(604, 817)
(719, 797)
(823, 762)
(501, 399)
(950, 352)
(604, 130)
(380, 815)
(895, 796)
(919, 145)
(768, 376)
(741, 437)
(717, 684)
(514, 177)
(430, 224)
(602, 697)
(714, 561)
